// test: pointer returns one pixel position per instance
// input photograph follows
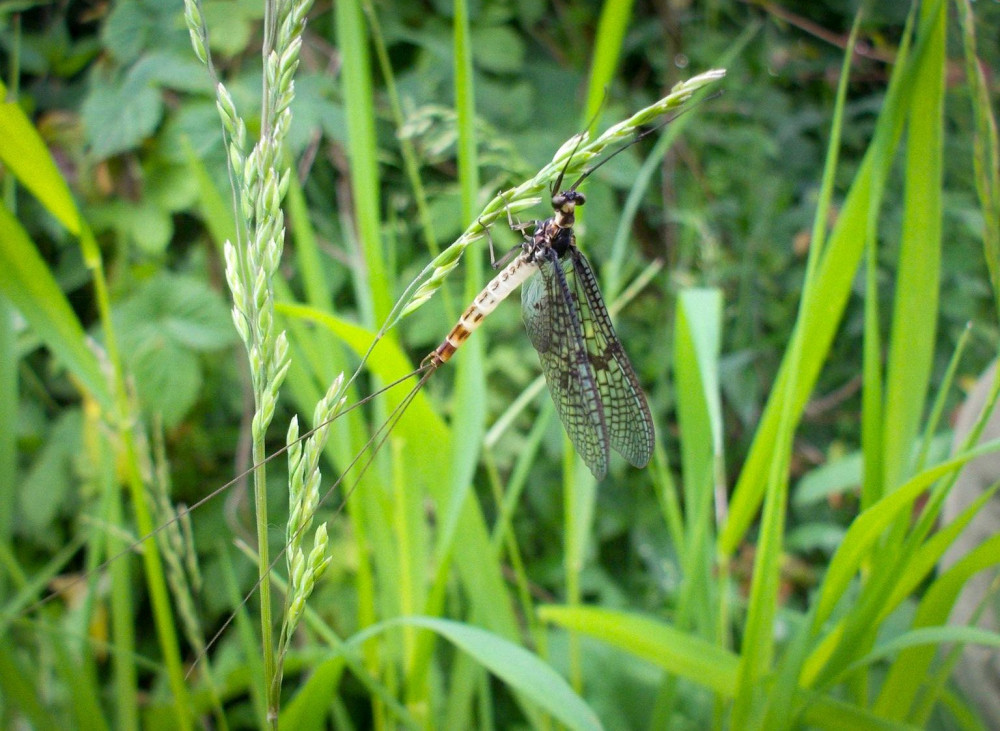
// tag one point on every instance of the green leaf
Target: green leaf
(167, 378)
(45, 487)
(180, 307)
(126, 32)
(175, 70)
(120, 117)
(145, 225)
(231, 25)
(162, 326)
(498, 49)
(523, 671)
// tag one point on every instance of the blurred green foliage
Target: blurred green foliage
(125, 109)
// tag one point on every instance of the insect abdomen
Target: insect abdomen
(498, 289)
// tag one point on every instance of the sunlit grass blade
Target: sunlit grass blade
(524, 672)
(29, 286)
(614, 20)
(697, 343)
(673, 650)
(26, 156)
(911, 345)
(909, 672)
(860, 541)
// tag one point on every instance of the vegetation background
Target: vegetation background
(793, 266)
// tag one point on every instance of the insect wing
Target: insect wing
(626, 413)
(556, 332)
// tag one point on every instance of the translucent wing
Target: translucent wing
(626, 413)
(556, 332)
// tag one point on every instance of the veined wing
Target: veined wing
(556, 332)
(630, 426)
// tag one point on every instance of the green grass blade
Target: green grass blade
(27, 282)
(19, 691)
(523, 671)
(8, 432)
(911, 346)
(24, 154)
(908, 672)
(615, 17)
(986, 149)
(670, 649)
(371, 282)
(697, 344)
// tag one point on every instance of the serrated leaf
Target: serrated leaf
(119, 118)
(167, 378)
(181, 308)
(163, 326)
(125, 31)
(171, 187)
(175, 70)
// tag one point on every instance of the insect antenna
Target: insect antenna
(638, 137)
(557, 183)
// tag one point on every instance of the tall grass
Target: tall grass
(426, 595)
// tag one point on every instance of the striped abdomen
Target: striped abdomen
(509, 279)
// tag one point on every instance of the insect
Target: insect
(593, 385)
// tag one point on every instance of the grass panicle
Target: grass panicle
(527, 194)
(260, 181)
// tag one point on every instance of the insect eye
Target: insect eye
(558, 200)
(580, 199)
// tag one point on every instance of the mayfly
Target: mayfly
(593, 385)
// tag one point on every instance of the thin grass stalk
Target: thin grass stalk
(123, 615)
(986, 148)
(183, 573)
(260, 182)
(155, 577)
(411, 165)
(8, 351)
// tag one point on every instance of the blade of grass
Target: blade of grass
(25, 154)
(611, 27)
(908, 673)
(371, 282)
(520, 669)
(758, 641)
(911, 346)
(30, 287)
(8, 431)
(697, 344)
